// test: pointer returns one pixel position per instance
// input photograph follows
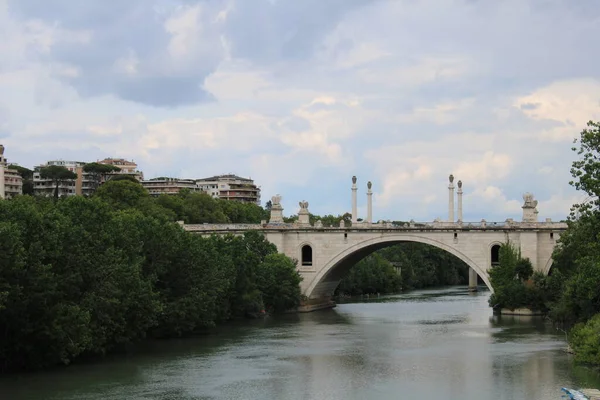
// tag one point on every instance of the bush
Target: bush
(584, 339)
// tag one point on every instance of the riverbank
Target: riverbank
(369, 349)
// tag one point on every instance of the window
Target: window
(495, 255)
(307, 256)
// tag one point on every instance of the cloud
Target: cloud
(571, 104)
(303, 95)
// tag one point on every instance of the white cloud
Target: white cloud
(184, 28)
(571, 103)
(302, 95)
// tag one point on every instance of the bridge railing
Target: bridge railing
(382, 225)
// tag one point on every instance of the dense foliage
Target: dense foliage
(404, 266)
(373, 274)
(514, 282)
(571, 293)
(83, 276)
(58, 175)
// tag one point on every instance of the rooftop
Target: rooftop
(226, 177)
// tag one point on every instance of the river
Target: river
(428, 344)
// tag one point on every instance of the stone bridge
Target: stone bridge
(325, 254)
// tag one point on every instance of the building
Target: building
(158, 186)
(127, 168)
(85, 183)
(79, 186)
(11, 182)
(230, 187)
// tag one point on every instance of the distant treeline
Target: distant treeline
(81, 277)
(404, 266)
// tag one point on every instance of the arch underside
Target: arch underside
(327, 280)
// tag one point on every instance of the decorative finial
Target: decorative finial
(451, 178)
(354, 179)
(369, 185)
(1, 150)
(276, 199)
(460, 184)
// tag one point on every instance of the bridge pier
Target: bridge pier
(472, 280)
(321, 303)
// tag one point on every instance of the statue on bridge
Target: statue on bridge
(276, 210)
(530, 212)
(303, 214)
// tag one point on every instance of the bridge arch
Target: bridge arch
(334, 269)
(548, 265)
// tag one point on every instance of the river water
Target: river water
(429, 344)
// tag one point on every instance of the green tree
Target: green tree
(586, 170)
(58, 175)
(122, 193)
(584, 339)
(99, 172)
(510, 281)
(279, 283)
(27, 176)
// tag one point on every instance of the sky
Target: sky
(302, 95)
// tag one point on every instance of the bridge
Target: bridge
(325, 254)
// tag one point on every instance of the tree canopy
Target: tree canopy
(58, 175)
(98, 172)
(80, 277)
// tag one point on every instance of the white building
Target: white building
(158, 186)
(230, 187)
(127, 168)
(45, 187)
(11, 182)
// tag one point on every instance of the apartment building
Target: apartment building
(158, 186)
(85, 183)
(79, 186)
(230, 187)
(127, 168)
(11, 182)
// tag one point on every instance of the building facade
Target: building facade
(230, 187)
(11, 182)
(127, 168)
(79, 186)
(170, 186)
(85, 183)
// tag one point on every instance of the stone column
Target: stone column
(451, 199)
(459, 194)
(472, 280)
(276, 210)
(2, 162)
(369, 203)
(354, 205)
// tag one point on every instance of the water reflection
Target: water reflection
(425, 344)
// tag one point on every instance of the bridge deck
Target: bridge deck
(387, 227)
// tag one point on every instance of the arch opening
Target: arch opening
(327, 279)
(307, 255)
(495, 255)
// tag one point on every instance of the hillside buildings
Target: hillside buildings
(230, 187)
(127, 168)
(11, 182)
(226, 187)
(158, 186)
(84, 184)
(45, 187)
